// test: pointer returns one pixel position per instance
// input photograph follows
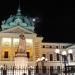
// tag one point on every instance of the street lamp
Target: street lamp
(64, 55)
(42, 60)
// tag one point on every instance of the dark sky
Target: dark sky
(57, 18)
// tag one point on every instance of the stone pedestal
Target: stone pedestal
(21, 64)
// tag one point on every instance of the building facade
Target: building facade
(18, 39)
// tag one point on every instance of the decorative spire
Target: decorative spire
(19, 3)
(19, 9)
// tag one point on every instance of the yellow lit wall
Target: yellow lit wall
(29, 47)
(15, 45)
(10, 54)
(11, 45)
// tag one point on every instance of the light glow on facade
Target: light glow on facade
(29, 47)
(6, 41)
(29, 41)
(16, 42)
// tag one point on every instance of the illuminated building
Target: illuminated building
(18, 39)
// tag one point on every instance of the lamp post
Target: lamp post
(37, 67)
(42, 60)
(30, 70)
(64, 54)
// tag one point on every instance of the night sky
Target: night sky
(57, 18)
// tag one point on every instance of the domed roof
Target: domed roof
(18, 19)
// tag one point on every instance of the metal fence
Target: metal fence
(13, 71)
(29, 71)
(21, 71)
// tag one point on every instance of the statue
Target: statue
(3, 22)
(21, 43)
(18, 21)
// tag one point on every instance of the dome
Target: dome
(18, 19)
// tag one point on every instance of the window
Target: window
(64, 58)
(51, 57)
(5, 54)
(50, 46)
(44, 55)
(51, 70)
(56, 46)
(58, 68)
(58, 57)
(28, 54)
(43, 46)
(64, 47)
(44, 69)
(71, 57)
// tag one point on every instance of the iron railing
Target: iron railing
(34, 71)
